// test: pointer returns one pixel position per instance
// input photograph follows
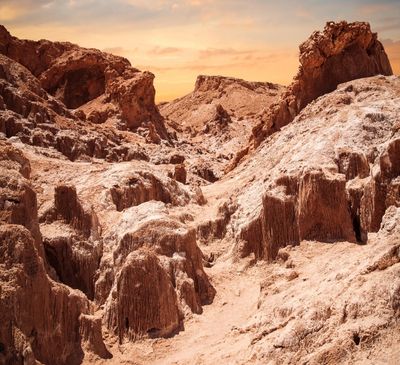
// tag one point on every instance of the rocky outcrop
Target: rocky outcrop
(327, 191)
(145, 302)
(352, 164)
(158, 259)
(180, 173)
(382, 190)
(37, 118)
(323, 214)
(74, 260)
(360, 317)
(40, 318)
(218, 98)
(72, 240)
(12, 158)
(90, 330)
(54, 94)
(144, 186)
(312, 206)
(217, 118)
(342, 52)
(68, 207)
(18, 204)
(76, 76)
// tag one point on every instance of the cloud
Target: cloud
(388, 24)
(225, 63)
(11, 10)
(390, 42)
(168, 4)
(162, 51)
(9, 13)
(370, 9)
(244, 57)
(73, 12)
(217, 52)
(154, 5)
(303, 13)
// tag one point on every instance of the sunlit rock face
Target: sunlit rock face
(130, 232)
(341, 52)
(81, 85)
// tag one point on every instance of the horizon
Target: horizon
(179, 40)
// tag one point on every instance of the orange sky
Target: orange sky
(180, 39)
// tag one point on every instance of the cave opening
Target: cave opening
(77, 87)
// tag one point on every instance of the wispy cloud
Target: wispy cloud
(217, 52)
(388, 24)
(177, 39)
(229, 60)
(162, 51)
(373, 8)
(390, 42)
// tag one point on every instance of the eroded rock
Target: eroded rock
(72, 240)
(160, 261)
(40, 317)
(342, 52)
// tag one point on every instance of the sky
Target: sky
(178, 40)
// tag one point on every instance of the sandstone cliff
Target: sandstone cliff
(76, 76)
(122, 238)
(49, 88)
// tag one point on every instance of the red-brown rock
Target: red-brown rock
(342, 52)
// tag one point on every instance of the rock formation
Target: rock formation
(40, 318)
(342, 192)
(71, 239)
(120, 227)
(164, 285)
(217, 118)
(49, 88)
(342, 52)
(219, 99)
(76, 76)
(336, 325)
(143, 187)
(312, 206)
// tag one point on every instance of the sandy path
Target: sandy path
(211, 337)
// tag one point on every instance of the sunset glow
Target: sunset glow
(180, 39)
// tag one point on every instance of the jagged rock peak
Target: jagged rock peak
(337, 37)
(341, 52)
(101, 85)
